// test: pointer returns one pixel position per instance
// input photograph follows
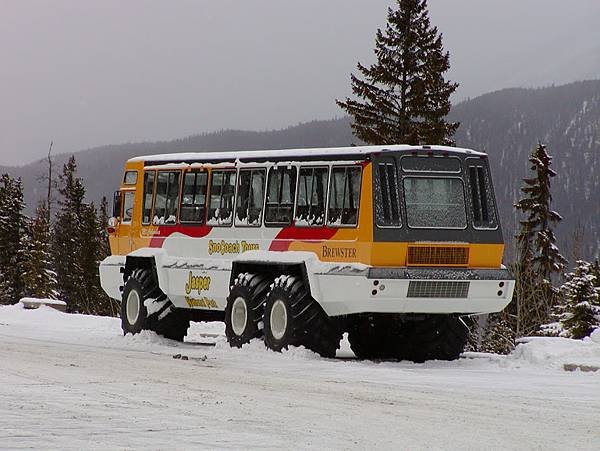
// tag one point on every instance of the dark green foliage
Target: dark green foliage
(499, 334)
(79, 244)
(67, 240)
(104, 246)
(12, 235)
(538, 257)
(578, 313)
(404, 98)
(39, 278)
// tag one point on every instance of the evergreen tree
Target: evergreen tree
(578, 315)
(405, 98)
(89, 260)
(499, 335)
(80, 243)
(538, 257)
(38, 276)
(67, 246)
(12, 235)
(103, 231)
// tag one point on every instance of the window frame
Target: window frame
(296, 196)
(209, 195)
(265, 171)
(127, 172)
(478, 163)
(125, 193)
(151, 216)
(430, 171)
(459, 178)
(178, 203)
(399, 192)
(294, 178)
(195, 171)
(360, 192)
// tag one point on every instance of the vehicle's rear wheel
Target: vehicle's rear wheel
(244, 309)
(293, 318)
(370, 335)
(418, 338)
(436, 337)
(144, 306)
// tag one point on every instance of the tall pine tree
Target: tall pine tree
(403, 97)
(539, 258)
(12, 235)
(67, 246)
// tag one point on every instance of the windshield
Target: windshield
(435, 202)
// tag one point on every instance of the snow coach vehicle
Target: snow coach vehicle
(391, 244)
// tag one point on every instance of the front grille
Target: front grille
(437, 255)
(437, 289)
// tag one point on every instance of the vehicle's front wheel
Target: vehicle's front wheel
(244, 309)
(144, 306)
(293, 318)
(133, 310)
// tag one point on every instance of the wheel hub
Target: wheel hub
(278, 319)
(239, 316)
(132, 307)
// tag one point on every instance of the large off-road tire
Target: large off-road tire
(145, 307)
(293, 318)
(244, 310)
(370, 336)
(436, 337)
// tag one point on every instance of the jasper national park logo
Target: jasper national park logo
(197, 283)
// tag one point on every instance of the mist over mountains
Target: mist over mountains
(507, 124)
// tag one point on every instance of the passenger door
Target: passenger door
(126, 227)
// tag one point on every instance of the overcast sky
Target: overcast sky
(87, 73)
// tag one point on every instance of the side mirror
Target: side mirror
(117, 204)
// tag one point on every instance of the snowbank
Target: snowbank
(560, 353)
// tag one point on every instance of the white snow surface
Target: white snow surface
(74, 382)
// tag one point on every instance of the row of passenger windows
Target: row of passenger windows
(310, 197)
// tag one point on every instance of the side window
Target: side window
(344, 196)
(128, 199)
(482, 199)
(193, 198)
(280, 196)
(130, 178)
(387, 207)
(250, 197)
(166, 203)
(149, 177)
(222, 192)
(312, 193)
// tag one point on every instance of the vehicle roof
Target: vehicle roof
(291, 154)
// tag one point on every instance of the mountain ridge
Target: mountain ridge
(507, 124)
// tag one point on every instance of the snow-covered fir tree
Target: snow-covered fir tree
(12, 233)
(403, 96)
(539, 258)
(38, 276)
(578, 313)
(499, 335)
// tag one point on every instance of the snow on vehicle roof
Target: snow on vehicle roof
(293, 153)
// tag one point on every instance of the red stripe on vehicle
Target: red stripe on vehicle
(290, 234)
(190, 231)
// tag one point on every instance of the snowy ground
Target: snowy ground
(74, 382)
